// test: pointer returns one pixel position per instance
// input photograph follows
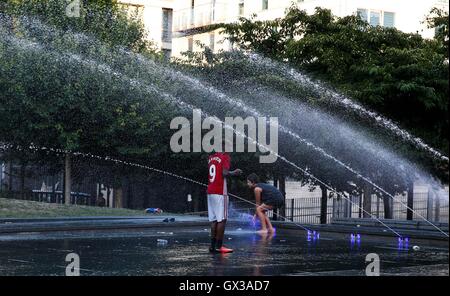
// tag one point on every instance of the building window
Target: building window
(374, 18)
(265, 4)
(362, 13)
(190, 44)
(167, 15)
(388, 19)
(241, 7)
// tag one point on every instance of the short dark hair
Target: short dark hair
(253, 178)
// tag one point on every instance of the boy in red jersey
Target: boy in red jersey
(219, 170)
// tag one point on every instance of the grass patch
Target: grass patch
(14, 208)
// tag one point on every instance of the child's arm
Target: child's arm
(236, 172)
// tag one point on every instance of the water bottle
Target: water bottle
(153, 210)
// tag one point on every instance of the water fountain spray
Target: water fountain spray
(152, 89)
(182, 104)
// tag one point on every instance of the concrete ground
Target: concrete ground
(129, 246)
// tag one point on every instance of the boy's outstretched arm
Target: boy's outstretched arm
(227, 173)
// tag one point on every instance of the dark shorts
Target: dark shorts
(274, 203)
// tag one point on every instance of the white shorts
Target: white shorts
(217, 207)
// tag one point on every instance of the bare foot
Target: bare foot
(271, 230)
(262, 231)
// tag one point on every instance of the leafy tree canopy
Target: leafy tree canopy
(397, 74)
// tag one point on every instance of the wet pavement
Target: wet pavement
(97, 223)
(289, 252)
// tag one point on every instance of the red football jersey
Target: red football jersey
(216, 182)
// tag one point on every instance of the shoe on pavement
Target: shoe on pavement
(224, 250)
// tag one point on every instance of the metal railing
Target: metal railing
(433, 209)
(306, 210)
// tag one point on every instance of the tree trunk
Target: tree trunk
(430, 204)
(347, 205)
(67, 179)
(388, 211)
(367, 202)
(437, 208)
(323, 205)
(22, 180)
(125, 192)
(196, 201)
(410, 201)
(108, 198)
(10, 186)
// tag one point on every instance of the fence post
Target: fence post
(437, 210)
(360, 206)
(334, 209)
(378, 207)
(430, 204)
(388, 204)
(282, 188)
(345, 201)
(350, 205)
(367, 203)
(22, 180)
(67, 180)
(292, 210)
(410, 201)
(323, 205)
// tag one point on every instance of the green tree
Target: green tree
(397, 74)
(104, 19)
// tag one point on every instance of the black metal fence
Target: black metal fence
(78, 198)
(307, 209)
(96, 182)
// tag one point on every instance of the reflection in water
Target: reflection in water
(219, 264)
(403, 243)
(312, 241)
(262, 252)
(355, 242)
(121, 253)
(402, 249)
